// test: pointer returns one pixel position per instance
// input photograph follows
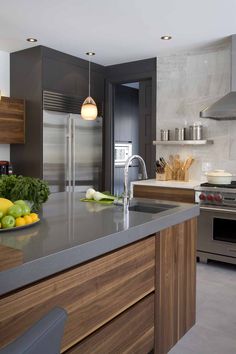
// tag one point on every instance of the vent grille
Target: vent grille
(53, 101)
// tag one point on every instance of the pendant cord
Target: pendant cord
(89, 76)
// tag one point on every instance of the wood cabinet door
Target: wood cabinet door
(92, 294)
(12, 121)
(129, 333)
(175, 284)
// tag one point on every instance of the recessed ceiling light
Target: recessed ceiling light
(166, 38)
(31, 40)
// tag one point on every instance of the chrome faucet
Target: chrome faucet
(126, 197)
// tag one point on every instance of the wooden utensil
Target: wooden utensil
(189, 163)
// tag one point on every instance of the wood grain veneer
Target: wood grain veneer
(92, 294)
(10, 257)
(12, 121)
(176, 284)
(164, 193)
(130, 332)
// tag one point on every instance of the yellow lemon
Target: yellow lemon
(20, 222)
(28, 219)
(34, 217)
(5, 204)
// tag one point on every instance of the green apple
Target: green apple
(25, 210)
(20, 202)
(8, 222)
(15, 211)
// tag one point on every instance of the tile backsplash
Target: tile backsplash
(187, 83)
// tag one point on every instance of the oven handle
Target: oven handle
(228, 211)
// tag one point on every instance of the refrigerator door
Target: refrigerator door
(56, 150)
(86, 153)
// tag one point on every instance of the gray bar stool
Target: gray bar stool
(44, 337)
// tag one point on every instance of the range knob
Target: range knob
(210, 197)
(202, 196)
(218, 198)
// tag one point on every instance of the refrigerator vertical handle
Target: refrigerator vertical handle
(69, 169)
(73, 154)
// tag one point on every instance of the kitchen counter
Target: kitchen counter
(168, 184)
(72, 232)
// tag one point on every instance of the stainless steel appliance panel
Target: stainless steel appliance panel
(122, 151)
(208, 238)
(86, 152)
(55, 150)
(72, 151)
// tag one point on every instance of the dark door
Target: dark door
(126, 128)
(147, 128)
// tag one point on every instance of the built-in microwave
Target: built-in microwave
(123, 150)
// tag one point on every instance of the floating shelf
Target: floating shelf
(183, 142)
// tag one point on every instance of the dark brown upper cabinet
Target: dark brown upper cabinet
(12, 121)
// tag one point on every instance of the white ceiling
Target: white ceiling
(117, 30)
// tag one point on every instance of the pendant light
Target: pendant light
(89, 109)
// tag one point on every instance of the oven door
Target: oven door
(217, 231)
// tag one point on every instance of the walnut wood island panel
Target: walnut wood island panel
(182, 195)
(134, 299)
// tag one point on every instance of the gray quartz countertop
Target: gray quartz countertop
(71, 232)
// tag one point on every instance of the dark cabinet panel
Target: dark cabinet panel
(26, 83)
(147, 131)
(73, 79)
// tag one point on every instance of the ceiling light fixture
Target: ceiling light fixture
(31, 40)
(89, 109)
(166, 38)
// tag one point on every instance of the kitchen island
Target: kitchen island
(126, 279)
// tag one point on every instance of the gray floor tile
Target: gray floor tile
(215, 330)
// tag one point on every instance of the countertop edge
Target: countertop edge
(167, 184)
(25, 274)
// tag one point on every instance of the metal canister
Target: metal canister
(195, 132)
(165, 134)
(180, 134)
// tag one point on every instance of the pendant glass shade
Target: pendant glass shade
(89, 109)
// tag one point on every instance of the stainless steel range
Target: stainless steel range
(217, 222)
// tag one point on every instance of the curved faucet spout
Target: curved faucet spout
(126, 174)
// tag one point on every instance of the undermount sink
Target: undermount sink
(150, 208)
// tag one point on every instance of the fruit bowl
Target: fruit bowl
(15, 215)
(15, 228)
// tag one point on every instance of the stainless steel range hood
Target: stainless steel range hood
(225, 108)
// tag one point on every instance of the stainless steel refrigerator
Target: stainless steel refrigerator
(72, 151)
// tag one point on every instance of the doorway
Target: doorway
(126, 132)
(125, 79)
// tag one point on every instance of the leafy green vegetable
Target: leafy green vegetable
(27, 188)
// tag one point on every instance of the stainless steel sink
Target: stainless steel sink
(150, 208)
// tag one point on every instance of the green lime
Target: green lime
(15, 211)
(8, 222)
(20, 202)
(25, 210)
